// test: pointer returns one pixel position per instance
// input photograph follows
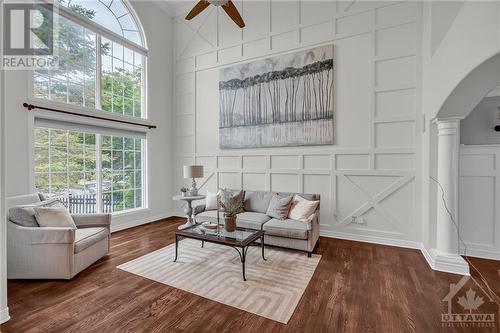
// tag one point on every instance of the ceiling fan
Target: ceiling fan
(227, 5)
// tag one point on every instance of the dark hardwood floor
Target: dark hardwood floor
(357, 287)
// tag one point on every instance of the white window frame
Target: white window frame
(98, 171)
(101, 31)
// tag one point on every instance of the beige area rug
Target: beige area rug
(272, 290)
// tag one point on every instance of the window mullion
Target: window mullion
(68, 170)
(98, 73)
(98, 171)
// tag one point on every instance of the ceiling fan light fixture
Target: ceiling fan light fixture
(218, 2)
(227, 5)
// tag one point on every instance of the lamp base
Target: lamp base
(193, 191)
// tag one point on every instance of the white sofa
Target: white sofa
(288, 233)
(54, 253)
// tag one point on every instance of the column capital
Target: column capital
(447, 126)
(447, 120)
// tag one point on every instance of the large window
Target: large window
(90, 172)
(101, 59)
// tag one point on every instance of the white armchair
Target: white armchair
(55, 253)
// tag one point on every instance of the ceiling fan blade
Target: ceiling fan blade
(231, 10)
(198, 8)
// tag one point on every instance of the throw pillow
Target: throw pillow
(301, 208)
(279, 207)
(24, 215)
(232, 200)
(211, 201)
(54, 217)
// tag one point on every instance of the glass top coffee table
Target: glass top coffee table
(240, 240)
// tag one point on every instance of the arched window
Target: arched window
(111, 14)
(102, 57)
(101, 68)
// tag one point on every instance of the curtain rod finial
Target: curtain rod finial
(29, 106)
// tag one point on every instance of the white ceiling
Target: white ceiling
(175, 7)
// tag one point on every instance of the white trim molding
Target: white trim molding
(436, 261)
(445, 263)
(371, 239)
(4, 315)
(135, 223)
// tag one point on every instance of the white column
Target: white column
(448, 140)
(446, 254)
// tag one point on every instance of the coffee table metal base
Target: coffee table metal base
(242, 251)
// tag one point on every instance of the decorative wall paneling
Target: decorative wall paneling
(367, 178)
(479, 200)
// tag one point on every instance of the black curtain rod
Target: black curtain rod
(31, 107)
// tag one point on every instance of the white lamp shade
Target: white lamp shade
(193, 171)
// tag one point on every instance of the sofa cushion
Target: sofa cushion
(257, 201)
(24, 215)
(279, 206)
(87, 237)
(308, 196)
(252, 220)
(301, 208)
(208, 216)
(212, 200)
(286, 228)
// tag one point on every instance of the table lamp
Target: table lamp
(193, 172)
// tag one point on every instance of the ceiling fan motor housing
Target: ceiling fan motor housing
(218, 2)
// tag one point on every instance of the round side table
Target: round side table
(189, 209)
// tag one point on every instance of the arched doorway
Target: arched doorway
(462, 100)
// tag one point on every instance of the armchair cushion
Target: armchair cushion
(50, 235)
(92, 220)
(24, 215)
(87, 237)
(54, 217)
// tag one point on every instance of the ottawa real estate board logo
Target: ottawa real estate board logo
(469, 305)
(28, 35)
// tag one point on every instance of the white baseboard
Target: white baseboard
(439, 263)
(138, 222)
(454, 265)
(371, 239)
(4, 315)
(443, 263)
(484, 254)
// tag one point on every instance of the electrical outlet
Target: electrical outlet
(354, 219)
(360, 220)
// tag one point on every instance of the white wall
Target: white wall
(478, 127)
(19, 122)
(4, 310)
(370, 170)
(480, 200)
(472, 38)
(453, 83)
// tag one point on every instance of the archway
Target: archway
(461, 101)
